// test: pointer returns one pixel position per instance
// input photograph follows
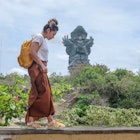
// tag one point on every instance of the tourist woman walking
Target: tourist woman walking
(40, 103)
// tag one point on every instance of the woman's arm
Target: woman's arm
(33, 53)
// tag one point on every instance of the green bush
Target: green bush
(121, 86)
(13, 97)
(101, 116)
(11, 108)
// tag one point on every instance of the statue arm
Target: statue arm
(69, 44)
(89, 44)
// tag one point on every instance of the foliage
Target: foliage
(101, 116)
(59, 90)
(13, 100)
(93, 84)
(125, 90)
(60, 86)
(10, 107)
(121, 87)
(85, 100)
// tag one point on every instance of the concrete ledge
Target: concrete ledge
(69, 130)
(71, 133)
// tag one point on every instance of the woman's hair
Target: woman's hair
(53, 21)
(52, 24)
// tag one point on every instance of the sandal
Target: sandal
(55, 124)
(34, 125)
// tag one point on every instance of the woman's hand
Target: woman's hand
(44, 68)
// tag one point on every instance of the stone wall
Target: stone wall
(74, 133)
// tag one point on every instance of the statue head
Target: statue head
(79, 33)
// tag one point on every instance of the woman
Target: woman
(40, 102)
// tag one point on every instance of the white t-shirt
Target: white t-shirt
(43, 50)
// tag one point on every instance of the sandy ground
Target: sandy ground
(20, 122)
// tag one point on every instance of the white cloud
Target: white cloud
(18, 70)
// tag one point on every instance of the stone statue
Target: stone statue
(78, 47)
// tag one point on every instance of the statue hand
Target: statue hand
(91, 39)
(90, 42)
(66, 41)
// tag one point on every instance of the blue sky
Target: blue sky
(114, 25)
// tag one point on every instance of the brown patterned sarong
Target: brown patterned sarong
(40, 102)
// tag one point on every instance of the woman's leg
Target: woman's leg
(31, 123)
(50, 118)
(31, 119)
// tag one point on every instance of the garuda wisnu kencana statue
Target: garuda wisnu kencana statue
(78, 47)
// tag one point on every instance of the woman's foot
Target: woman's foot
(33, 125)
(55, 124)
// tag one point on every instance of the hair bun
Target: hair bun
(52, 22)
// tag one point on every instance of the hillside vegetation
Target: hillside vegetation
(91, 95)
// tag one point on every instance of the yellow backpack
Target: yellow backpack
(24, 58)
